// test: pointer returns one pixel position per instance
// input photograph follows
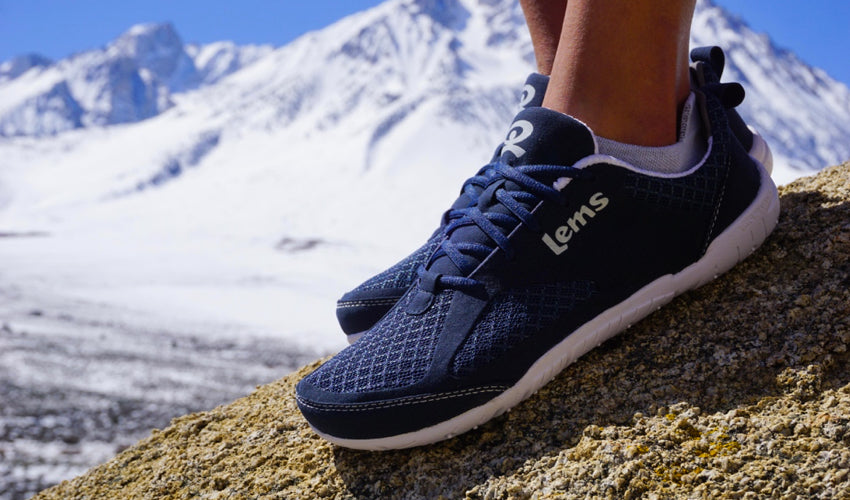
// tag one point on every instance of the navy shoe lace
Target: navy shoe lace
(519, 200)
(472, 188)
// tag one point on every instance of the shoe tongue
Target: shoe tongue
(533, 91)
(543, 136)
(537, 136)
(532, 97)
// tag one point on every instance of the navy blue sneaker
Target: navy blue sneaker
(363, 306)
(564, 249)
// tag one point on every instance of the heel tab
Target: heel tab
(711, 55)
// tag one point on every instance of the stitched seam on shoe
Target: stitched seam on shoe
(722, 195)
(367, 302)
(405, 402)
(727, 160)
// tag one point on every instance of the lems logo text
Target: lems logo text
(580, 218)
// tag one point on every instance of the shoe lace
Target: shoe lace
(520, 198)
(472, 188)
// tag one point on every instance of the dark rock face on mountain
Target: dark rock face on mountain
(737, 390)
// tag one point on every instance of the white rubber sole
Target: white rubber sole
(760, 151)
(737, 242)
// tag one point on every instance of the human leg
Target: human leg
(622, 68)
(545, 20)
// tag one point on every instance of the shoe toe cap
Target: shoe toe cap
(395, 419)
(359, 309)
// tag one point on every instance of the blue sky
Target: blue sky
(816, 30)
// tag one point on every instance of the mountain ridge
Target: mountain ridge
(802, 112)
(129, 80)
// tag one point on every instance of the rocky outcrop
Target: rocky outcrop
(737, 390)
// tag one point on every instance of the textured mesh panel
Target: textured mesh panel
(696, 192)
(394, 354)
(403, 273)
(513, 318)
(699, 192)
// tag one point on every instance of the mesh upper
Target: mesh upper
(403, 273)
(696, 192)
(396, 353)
(512, 318)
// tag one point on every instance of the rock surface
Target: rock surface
(737, 390)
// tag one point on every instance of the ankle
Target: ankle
(681, 155)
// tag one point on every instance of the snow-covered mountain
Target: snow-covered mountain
(464, 57)
(129, 80)
(349, 142)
